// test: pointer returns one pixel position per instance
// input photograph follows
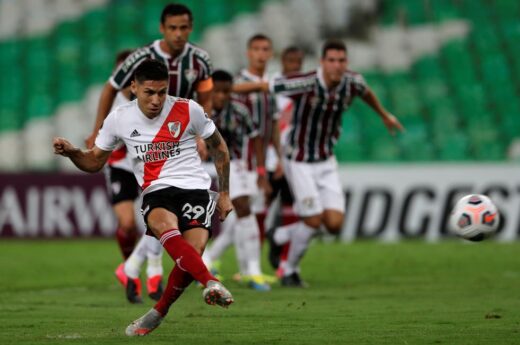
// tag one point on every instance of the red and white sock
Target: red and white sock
(185, 256)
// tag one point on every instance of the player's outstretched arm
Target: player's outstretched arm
(391, 122)
(220, 154)
(91, 160)
(108, 94)
(248, 87)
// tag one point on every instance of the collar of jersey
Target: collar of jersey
(157, 46)
(250, 75)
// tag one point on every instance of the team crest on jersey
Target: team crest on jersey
(174, 128)
(190, 75)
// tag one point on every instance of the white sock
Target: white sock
(282, 234)
(222, 242)
(154, 252)
(273, 216)
(247, 245)
(300, 238)
(135, 260)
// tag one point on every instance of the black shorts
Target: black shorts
(281, 186)
(193, 207)
(121, 184)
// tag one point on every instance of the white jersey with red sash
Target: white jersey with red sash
(163, 150)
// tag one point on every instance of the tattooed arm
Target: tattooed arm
(219, 152)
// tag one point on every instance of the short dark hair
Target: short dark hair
(221, 75)
(175, 10)
(258, 37)
(122, 55)
(333, 45)
(290, 50)
(151, 69)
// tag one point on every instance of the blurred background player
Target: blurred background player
(234, 122)
(262, 106)
(189, 66)
(121, 183)
(320, 98)
(280, 210)
(189, 77)
(263, 109)
(177, 205)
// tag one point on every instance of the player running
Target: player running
(234, 122)
(320, 98)
(159, 132)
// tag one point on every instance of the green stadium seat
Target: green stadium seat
(443, 10)
(100, 59)
(485, 40)
(506, 9)
(10, 52)
(489, 150)
(96, 25)
(349, 150)
(40, 105)
(433, 91)
(384, 149)
(494, 68)
(509, 126)
(454, 148)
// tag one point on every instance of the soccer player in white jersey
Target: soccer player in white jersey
(190, 71)
(124, 191)
(159, 132)
(320, 98)
(234, 122)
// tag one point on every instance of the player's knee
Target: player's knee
(313, 222)
(128, 225)
(242, 209)
(198, 245)
(334, 226)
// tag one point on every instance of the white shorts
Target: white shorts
(242, 182)
(315, 186)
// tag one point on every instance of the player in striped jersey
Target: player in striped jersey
(320, 98)
(234, 122)
(177, 205)
(189, 66)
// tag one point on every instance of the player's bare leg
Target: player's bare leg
(127, 233)
(333, 220)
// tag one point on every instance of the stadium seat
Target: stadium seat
(454, 148)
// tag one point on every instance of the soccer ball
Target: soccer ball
(474, 217)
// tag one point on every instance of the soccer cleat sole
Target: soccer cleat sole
(217, 294)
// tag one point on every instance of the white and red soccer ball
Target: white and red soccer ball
(474, 217)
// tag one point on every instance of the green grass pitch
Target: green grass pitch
(64, 292)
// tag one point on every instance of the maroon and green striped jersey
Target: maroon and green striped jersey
(186, 70)
(235, 124)
(317, 111)
(262, 106)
